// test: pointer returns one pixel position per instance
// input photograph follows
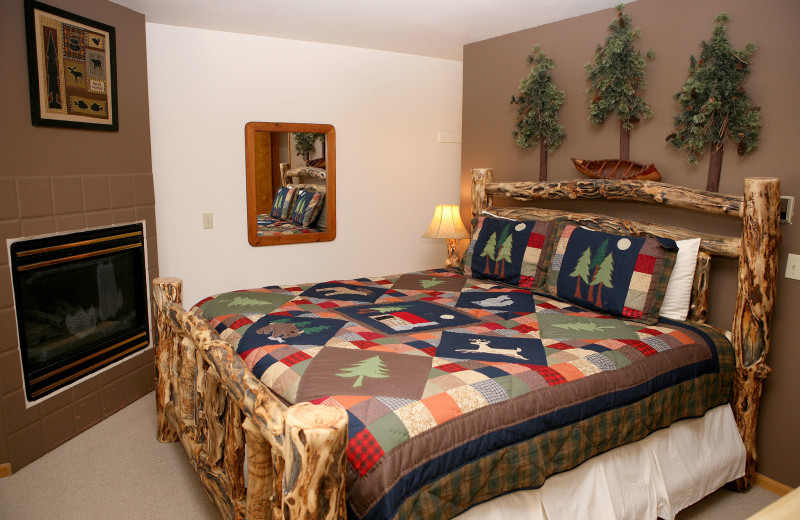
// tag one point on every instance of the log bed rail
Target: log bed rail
(209, 400)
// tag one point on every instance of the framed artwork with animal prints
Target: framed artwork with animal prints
(71, 69)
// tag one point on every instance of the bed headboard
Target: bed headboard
(756, 249)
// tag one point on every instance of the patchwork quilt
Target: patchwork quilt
(459, 389)
(268, 226)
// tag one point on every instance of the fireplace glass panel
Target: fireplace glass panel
(81, 303)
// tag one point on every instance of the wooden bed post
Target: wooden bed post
(480, 201)
(165, 292)
(758, 272)
(314, 453)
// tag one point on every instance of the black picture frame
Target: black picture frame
(72, 69)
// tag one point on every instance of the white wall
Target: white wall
(387, 109)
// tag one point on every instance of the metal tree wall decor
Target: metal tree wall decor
(537, 116)
(714, 105)
(616, 76)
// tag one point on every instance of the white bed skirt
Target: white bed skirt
(656, 477)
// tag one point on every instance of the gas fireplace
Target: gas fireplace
(81, 303)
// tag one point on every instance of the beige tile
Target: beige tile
(143, 189)
(88, 411)
(95, 193)
(122, 191)
(3, 439)
(57, 428)
(123, 216)
(148, 214)
(56, 402)
(35, 197)
(8, 324)
(8, 199)
(17, 416)
(25, 446)
(38, 226)
(136, 384)
(99, 218)
(113, 397)
(6, 296)
(8, 229)
(85, 388)
(74, 222)
(152, 252)
(10, 371)
(67, 195)
(112, 375)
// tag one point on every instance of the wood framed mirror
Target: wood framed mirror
(294, 163)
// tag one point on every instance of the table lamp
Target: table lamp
(447, 224)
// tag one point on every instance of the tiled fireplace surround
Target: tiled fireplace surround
(36, 205)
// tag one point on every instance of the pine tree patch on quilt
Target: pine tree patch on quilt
(364, 372)
(621, 275)
(427, 282)
(510, 251)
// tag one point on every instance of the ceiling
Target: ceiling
(436, 28)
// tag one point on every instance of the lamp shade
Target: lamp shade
(446, 223)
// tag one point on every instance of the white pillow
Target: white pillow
(679, 287)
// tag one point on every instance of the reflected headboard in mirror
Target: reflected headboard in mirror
(301, 158)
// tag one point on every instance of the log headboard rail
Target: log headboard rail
(756, 250)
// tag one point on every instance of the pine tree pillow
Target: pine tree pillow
(516, 252)
(282, 203)
(306, 208)
(622, 275)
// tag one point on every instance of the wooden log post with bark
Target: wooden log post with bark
(755, 300)
(210, 401)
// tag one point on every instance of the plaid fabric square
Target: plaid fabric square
(550, 375)
(363, 452)
(295, 358)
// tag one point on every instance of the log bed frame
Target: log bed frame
(209, 400)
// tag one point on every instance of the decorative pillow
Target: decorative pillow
(516, 252)
(282, 203)
(621, 275)
(322, 221)
(306, 208)
(679, 289)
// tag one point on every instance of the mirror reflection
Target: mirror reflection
(291, 191)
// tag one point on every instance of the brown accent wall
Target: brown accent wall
(54, 179)
(673, 29)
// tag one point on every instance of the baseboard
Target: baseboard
(772, 485)
(5, 469)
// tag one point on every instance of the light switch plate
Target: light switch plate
(793, 266)
(208, 220)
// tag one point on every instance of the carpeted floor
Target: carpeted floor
(116, 471)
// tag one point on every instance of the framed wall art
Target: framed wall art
(71, 68)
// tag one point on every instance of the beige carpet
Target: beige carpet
(117, 471)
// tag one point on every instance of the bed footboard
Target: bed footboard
(209, 400)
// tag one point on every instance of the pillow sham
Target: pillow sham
(679, 289)
(516, 252)
(283, 202)
(616, 274)
(306, 207)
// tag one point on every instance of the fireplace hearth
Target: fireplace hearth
(81, 304)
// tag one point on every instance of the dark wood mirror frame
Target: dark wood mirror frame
(255, 191)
